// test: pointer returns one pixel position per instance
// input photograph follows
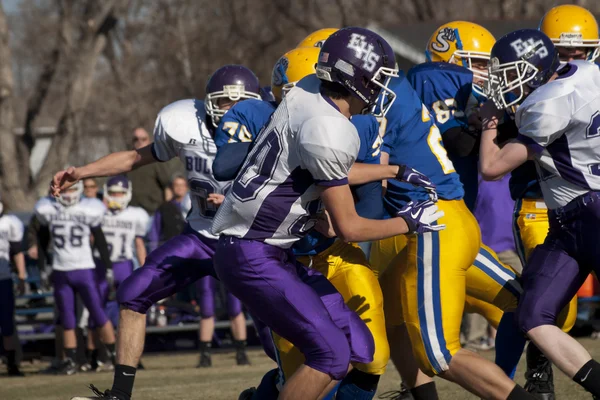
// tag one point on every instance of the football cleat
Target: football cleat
(13, 370)
(87, 367)
(68, 367)
(247, 394)
(241, 358)
(107, 395)
(539, 375)
(402, 394)
(205, 361)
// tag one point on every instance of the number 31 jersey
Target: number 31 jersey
(70, 231)
(181, 131)
(121, 229)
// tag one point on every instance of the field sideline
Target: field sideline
(174, 377)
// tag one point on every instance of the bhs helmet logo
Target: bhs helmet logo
(527, 48)
(364, 51)
(443, 37)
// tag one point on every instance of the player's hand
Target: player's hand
(414, 177)
(63, 180)
(420, 216)
(32, 252)
(215, 198)
(21, 286)
(490, 115)
(324, 225)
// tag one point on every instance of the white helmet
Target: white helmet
(71, 197)
(120, 184)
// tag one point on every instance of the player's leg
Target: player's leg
(284, 296)
(205, 290)
(238, 328)
(7, 326)
(433, 292)
(64, 298)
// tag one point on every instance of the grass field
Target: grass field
(174, 377)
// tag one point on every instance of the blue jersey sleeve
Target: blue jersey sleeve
(370, 142)
(447, 92)
(243, 122)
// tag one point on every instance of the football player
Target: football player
(303, 156)
(71, 220)
(183, 129)
(124, 227)
(342, 263)
(11, 236)
(557, 119)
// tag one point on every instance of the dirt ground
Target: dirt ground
(174, 377)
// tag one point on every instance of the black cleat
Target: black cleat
(242, 358)
(205, 361)
(140, 366)
(68, 367)
(247, 394)
(107, 395)
(402, 394)
(539, 375)
(14, 371)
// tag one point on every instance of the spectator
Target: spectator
(169, 219)
(90, 189)
(150, 183)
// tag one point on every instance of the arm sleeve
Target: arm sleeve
(460, 142)
(229, 160)
(32, 231)
(542, 122)
(43, 241)
(327, 148)
(102, 246)
(163, 147)
(15, 236)
(369, 200)
(232, 129)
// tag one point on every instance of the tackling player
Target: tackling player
(305, 153)
(183, 129)
(558, 125)
(71, 220)
(11, 236)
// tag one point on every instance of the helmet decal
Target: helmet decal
(444, 36)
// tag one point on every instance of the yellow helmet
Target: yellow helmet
(461, 42)
(572, 26)
(317, 38)
(291, 67)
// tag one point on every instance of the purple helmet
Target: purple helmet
(232, 82)
(523, 57)
(362, 62)
(114, 185)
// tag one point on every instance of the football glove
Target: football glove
(414, 177)
(421, 216)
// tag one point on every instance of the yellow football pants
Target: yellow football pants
(432, 279)
(530, 228)
(347, 268)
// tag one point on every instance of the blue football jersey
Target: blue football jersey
(447, 92)
(243, 122)
(412, 138)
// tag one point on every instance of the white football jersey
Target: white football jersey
(11, 230)
(180, 131)
(308, 145)
(70, 231)
(561, 122)
(121, 229)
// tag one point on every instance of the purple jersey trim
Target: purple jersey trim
(331, 103)
(560, 153)
(567, 71)
(155, 155)
(530, 143)
(333, 182)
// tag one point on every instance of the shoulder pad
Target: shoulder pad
(183, 121)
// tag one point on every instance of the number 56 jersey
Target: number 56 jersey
(181, 131)
(70, 229)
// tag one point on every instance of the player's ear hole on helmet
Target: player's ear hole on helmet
(334, 90)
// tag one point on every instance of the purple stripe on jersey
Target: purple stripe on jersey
(530, 143)
(331, 103)
(276, 206)
(333, 182)
(560, 153)
(567, 71)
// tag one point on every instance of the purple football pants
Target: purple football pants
(557, 268)
(179, 262)
(121, 270)
(205, 289)
(7, 308)
(82, 282)
(299, 304)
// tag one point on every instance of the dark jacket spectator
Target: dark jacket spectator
(169, 218)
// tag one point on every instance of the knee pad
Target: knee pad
(234, 306)
(531, 314)
(330, 355)
(137, 292)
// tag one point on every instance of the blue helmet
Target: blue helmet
(232, 82)
(523, 57)
(362, 62)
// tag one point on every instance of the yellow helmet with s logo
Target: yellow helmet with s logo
(317, 38)
(569, 25)
(291, 67)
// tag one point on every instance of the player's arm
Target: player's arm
(140, 250)
(18, 259)
(496, 161)
(229, 159)
(102, 245)
(460, 141)
(43, 242)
